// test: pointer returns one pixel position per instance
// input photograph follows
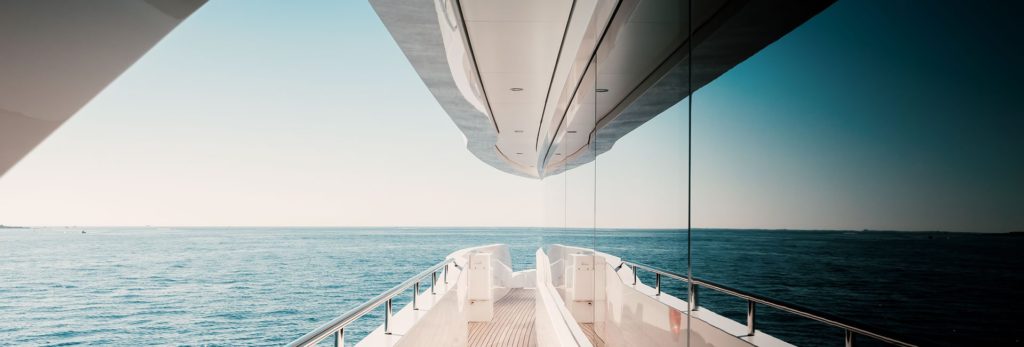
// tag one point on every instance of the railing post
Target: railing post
(693, 297)
(850, 328)
(751, 324)
(657, 283)
(339, 338)
(387, 317)
(415, 293)
(433, 282)
(445, 273)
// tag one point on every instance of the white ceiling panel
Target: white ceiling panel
(522, 155)
(511, 145)
(516, 10)
(499, 87)
(518, 116)
(515, 46)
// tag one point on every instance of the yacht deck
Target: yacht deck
(513, 323)
(588, 329)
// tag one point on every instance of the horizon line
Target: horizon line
(5, 226)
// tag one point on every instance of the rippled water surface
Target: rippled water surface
(267, 286)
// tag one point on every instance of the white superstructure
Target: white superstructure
(541, 86)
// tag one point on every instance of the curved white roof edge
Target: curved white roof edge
(416, 27)
(488, 63)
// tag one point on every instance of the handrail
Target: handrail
(849, 326)
(337, 325)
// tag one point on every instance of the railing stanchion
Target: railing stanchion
(336, 327)
(851, 328)
(339, 338)
(634, 274)
(387, 317)
(657, 283)
(415, 293)
(693, 297)
(751, 311)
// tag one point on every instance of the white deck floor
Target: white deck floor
(513, 323)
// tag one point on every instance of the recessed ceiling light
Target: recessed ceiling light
(520, 153)
(601, 90)
(518, 131)
(516, 89)
(558, 153)
(572, 131)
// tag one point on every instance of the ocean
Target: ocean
(268, 286)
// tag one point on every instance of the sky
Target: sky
(872, 115)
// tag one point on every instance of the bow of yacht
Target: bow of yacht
(574, 297)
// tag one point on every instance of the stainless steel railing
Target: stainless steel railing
(337, 325)
(851, 328)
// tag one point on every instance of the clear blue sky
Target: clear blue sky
(880, 115)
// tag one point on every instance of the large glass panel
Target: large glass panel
(570, 169)
(641, 182)
(868, 165)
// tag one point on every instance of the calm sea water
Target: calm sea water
(267, 286)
